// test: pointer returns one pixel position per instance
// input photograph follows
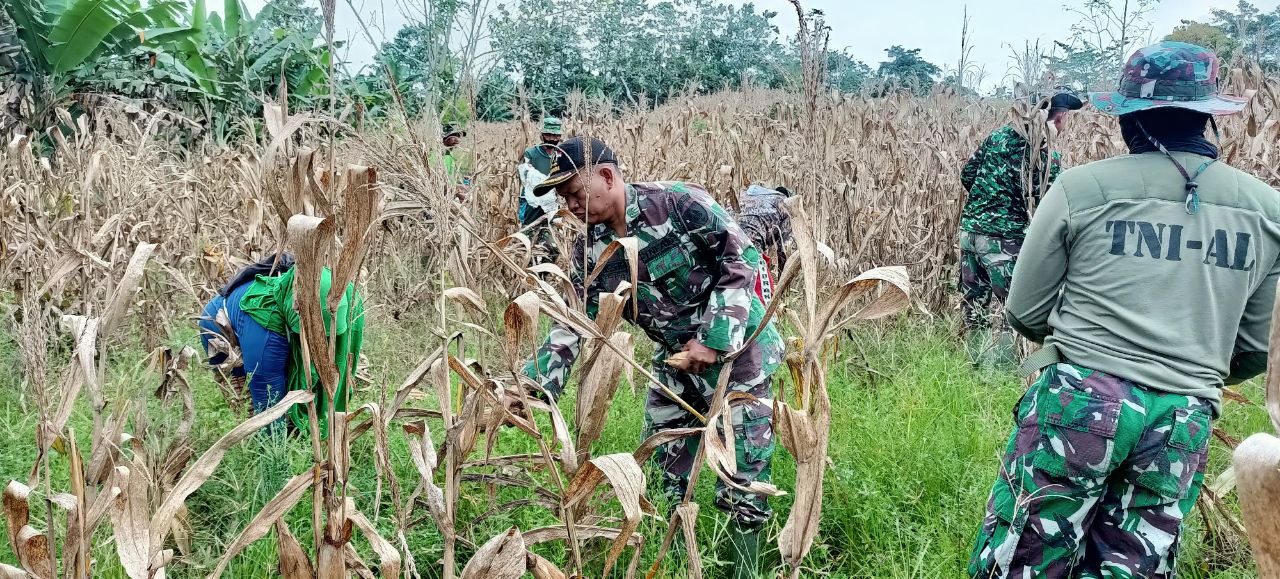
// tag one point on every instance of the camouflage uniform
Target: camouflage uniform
(696, 271)
(1110, 444)
(986, 269)
(541, 236)
(765, 221)
(1096, 479)
(994, 219)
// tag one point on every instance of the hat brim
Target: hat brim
(557, 132)
(552, 182)
(1116, 104)
(1062, 100)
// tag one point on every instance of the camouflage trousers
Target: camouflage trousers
(752, 429)
(545, 249)
(1095, 481)
(986, 269)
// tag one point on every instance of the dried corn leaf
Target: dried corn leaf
(520, 322)
(687, 514)
(1257, 466)
(34, 552)
(389, 559)
(203, 468)
(360, 209)
(312, 239)
(801, 231)
(595, 394)
(76, 546)
(467, 297)
(543, 569)
(423, 454)
(130, 521)
(584, 532)
(502, 557)
(627, 479)
(271, 513)
(85, 331)
(411, 381)
(17, 510)
(126, 288)
(631, 248)
(807, 442)
(294, 562)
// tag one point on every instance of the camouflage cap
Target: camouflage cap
(552, 126)
(1169, 74)
(574, 155)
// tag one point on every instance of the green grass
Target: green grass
(914, 440)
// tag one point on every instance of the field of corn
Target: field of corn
(127, 458)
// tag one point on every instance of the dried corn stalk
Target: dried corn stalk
(804, 426)
(1257, 468)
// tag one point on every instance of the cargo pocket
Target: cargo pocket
(668, 264)
(1077, 432)
(1169, 471)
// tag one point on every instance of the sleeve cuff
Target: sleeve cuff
(1025, 330)
(1246, 365)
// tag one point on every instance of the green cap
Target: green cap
(551, 126)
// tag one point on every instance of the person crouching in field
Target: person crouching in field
(252, 326)
(694, 295)
(1150, 280)
(766, 222)
(998, 178)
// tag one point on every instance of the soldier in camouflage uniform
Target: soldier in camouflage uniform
(694, 295)
(541, 157)
(995, 218)
(1150, 279)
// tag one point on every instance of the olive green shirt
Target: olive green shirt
(1122, 279)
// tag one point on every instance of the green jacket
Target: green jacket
(1122, 279)
(539, 158)
(269, 301)
(994, 177)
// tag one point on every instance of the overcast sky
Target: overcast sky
(996, 26)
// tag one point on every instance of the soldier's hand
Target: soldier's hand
(696, 358)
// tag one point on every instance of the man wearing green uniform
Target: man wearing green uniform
(1150, 280)
(999, 178)
(694, 294)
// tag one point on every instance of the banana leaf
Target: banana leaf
(80, 30)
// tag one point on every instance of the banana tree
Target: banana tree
(237, 58)
(45, 42)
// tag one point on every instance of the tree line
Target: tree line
(214, 66)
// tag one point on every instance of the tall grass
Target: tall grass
(915, 438)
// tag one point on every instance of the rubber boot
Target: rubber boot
(744, 552)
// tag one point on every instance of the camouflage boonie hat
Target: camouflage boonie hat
(1169, 74)
(552, 126)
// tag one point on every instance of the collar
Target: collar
(602, 232)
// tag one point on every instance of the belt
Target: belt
(1038, 360)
